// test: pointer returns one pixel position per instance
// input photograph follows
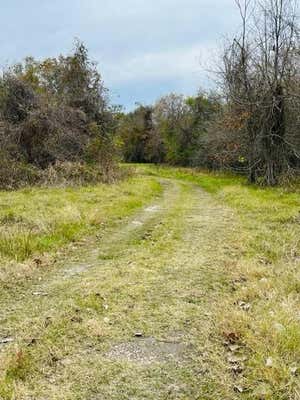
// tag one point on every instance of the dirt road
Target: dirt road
(130, 314)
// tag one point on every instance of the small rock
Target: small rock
(269, 362)
(106, 320)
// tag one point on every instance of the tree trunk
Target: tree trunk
(274, 145)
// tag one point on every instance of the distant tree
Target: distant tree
(182, 123)
(141, 142)
(171, 120)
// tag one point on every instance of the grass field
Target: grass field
(35, 221)
(174, 284)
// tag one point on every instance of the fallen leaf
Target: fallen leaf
(232, 337)
(263, 280)
(245, 306)
(237, 369)
(40, 293)
(6, 340)
(32, 342)
(138, 334)
(234, 347)
(38, 262)
(294, 370)
(76, 318)
(235, 360)
(239, 389)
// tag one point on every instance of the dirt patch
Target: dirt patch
(147, 351)
(76, 270)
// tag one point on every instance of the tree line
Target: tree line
(252, 123)
(174, 130)
(57, 121)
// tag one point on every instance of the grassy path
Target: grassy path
(137, 310)
(155, 275)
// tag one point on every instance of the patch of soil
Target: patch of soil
(147, 351)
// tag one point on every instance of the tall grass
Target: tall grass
(38, 220)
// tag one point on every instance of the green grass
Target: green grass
(211, 182)
(216, 271)
(35, 221)
(267, 277)
(272, 215)
(146, 284)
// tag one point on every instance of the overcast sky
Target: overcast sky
(144, 48)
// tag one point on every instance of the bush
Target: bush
(15, 174)
(76, 173)
(54, 118)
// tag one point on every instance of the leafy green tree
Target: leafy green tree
(141, 141)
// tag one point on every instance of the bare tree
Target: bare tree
(260, 67)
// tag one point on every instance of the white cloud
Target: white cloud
(182, 63)
(143, 47)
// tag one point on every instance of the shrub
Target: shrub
(54, 117)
